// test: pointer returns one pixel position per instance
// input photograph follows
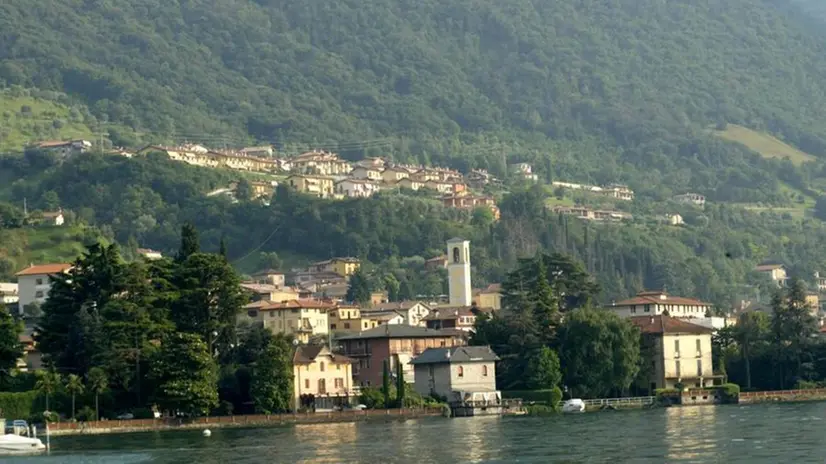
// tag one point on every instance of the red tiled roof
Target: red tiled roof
(768, 267)
(307, 354)
(664, 324)
(45, 269)
(644, 298)
(292, 304)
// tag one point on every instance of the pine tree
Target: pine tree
(400, 385)
(190, 243)
(222, 249)
(358, 290)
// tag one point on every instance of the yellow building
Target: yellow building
(679, 351)
(341, 266)
(303, 319)
(321, 378)
(349, 319)
(490, 297)
(319, 186)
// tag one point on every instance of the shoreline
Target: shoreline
(217, 422)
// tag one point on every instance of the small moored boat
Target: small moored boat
(573, 405)
(15, 444)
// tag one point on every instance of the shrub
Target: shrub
(86, 414)
(555, 398)
(539, 410)
(143, 413)
(536, 396)
(17, 405)
(372, 398)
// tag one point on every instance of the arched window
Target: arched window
(485, 371)
(322, 366)
(461, 371)
(456, 255)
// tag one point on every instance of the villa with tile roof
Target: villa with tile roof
(655, 303)
(33, 283)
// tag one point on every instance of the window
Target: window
(633, 309)
(272, 313)
(252, 313)
(368, 363)
(699, 368)
(678, 369)
(699, 349)
(647, 308)
(484, 371)
(456, 255)
(295, 311)
(306, 383)
(322, 386)
(322, 366)
(442, 343)
(38, 294)
(339, 383)
(461, 372)
(332, 327)
(338, 367)
(677, 348)
(39, 282)
(346, 325)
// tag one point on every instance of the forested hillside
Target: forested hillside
(619, 90)
(145, 201)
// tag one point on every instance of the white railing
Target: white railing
(633, 401)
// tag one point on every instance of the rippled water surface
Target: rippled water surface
(787, 433)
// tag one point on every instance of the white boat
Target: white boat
(15, 444)
(573, 405)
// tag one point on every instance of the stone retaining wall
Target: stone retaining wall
(146, 425)
(817, 394)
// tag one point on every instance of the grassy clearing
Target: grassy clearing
(764, 144)
(42, 245)
(25, 119)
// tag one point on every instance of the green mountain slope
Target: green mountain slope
(646, 76)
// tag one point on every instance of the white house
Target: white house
(366, 173)
(149, 253)
(691, 198)
(8, 293)
(413, 312)
(356, 188)
(659, 302)
(54, 218)
(524, 170)
(457, 373)
(33, 283)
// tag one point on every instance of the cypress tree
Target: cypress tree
(385, 383)
(189, 242)
(400, 385)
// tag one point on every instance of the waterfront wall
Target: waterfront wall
(815, 394)
(261, 420)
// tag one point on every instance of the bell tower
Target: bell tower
(458, 271)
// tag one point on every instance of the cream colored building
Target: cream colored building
(341, 266)
(355, 188)
(303, 319)
(409, 183)
(33, 283)
(392, 175)
(9, 293)
(319, 186)
(320, 163)
(366, 173)
(775, 272)
(413, 312)
(321, 378)
(347, 319)
(655, 303)
(489, 297)
(679, 351)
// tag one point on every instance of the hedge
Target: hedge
(538, 396)
(17, 405)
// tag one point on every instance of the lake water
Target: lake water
(778, 433)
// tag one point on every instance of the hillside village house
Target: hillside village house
(465, 200)
(33, 283)
(409, 183)
(462, 318)
(320, 163)
(480, 178)
(524, 171)
(395, 343)
(372, 163)
(64, 148)
(393, 174)
(53, 218)
(269, 292)
(356, 188)
(366, 173)
(489, 297)
(413, 311)
(149, 254)
(347, 319)
(680, 352)
(462, 373)
(775, 272)
(303, 319)
(198, 155)
(588, 214)
(9, 293)
(32, 359)
(321, 378)
(655, 303)
(260, 152)
(820, 282)
(691, 198)
(341, 266)
(319, 186)
(437, 262)
(445, 187)
(269, 276)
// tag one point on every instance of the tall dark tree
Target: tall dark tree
(752, 329)
(208, 299)
(190, 243)
(385, 382)
(11, 350)
(358, 290)
(792, 327)
(222, 249)
(272, 377)
(401, 385)
(185, 375)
